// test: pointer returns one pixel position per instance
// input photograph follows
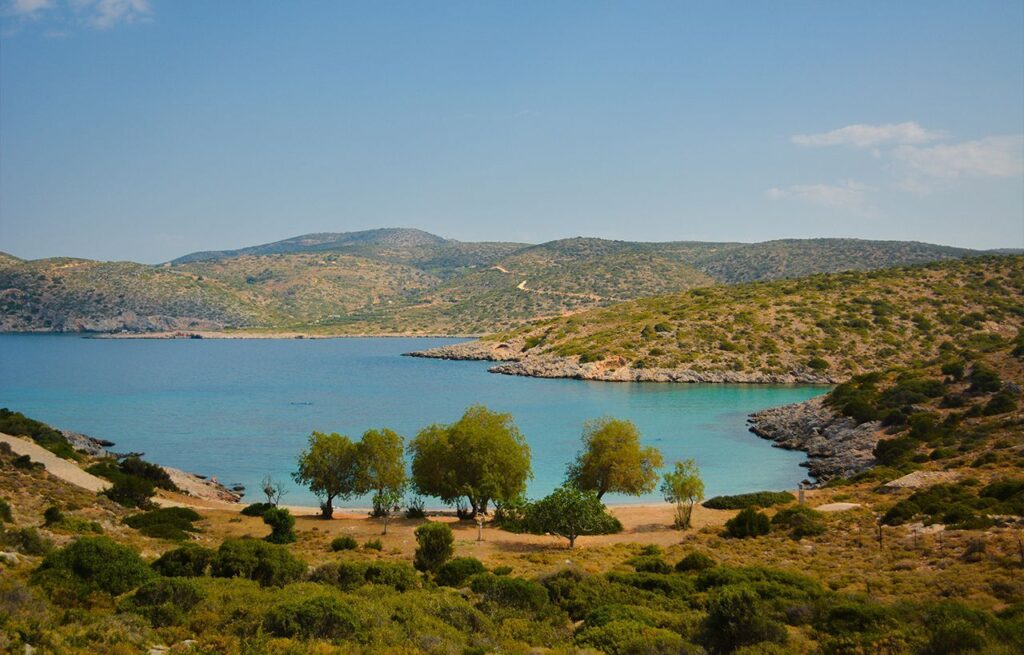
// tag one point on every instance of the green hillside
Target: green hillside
(403, 281)
(831, 326)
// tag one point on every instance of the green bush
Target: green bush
(801, 521)
(1001, 403)
(817, 364)
(434, 546)
(373, 544)
(171, 523)
(189, 561)
(282, 525)
(649, 564)
(139, 468)
(348, 575)
(92, 564)
(760, 499)
(256, 509)
(266, 563)
(26, 541)
(52, 515)
(19, 425)
(735, 618)
(511, 592)
(748, 523)
(455, 571)
(695, 561)
(344, 542)
(5, 512)
(625, 637)
(131, 491)
(165, 601)
(984, 379)
(318, 617)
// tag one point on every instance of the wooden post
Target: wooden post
(800, 494)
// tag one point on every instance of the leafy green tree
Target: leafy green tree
(380, 469)
(612, 460)
(683, 487)
(434, 546)
(482, 458)
(570, 513)
(328, 468)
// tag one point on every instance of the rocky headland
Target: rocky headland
(515, 360)
(836, 445)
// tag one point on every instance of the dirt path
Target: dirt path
(58, 467)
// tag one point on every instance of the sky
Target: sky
(145, 129)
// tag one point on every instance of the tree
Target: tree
(434, 546)
(380, 469)
(482, 457)
(273, 489)
(612, 460)
(328, 468)
(683, 487)
(570, 512)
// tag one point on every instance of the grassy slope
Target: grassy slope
(397, 280)
(850, 321)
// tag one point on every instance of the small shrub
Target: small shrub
(256, 509)
(434, 546)
(131, 491)
(455, 571)
(512, 592)
(801, 521)
(344, 542)
(736, 618)
(189, 561)
(171, 523)
(5, 512)
(762, 499)
(52, 515)
(373, 544)
(748, 523)
(348, 575)
(318, 617)
(165, 601)
(415, 508)
(92, 564)
(650, 564)
(817, 364)
(26, 541)
(266, 563)
(695, 561)
(1001, 403)
(282, 525)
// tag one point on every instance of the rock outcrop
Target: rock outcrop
(836, 445)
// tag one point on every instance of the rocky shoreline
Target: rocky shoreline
(513, 361)
(835, 445)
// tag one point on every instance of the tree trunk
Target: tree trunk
(386, 515)
(327, 508)
(572, 541)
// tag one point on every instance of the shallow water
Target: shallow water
(240, 409)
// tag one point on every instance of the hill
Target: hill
(821, 328)
(394, 280)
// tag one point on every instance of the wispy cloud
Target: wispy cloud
(104, 14)
(870, 136)
(848, 194)
(28, 7)
(994, 156)
(95, 14)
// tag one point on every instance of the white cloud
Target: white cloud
(104, 14)
(28, 7)
(868, 136)
(994, 156)
(848, 194)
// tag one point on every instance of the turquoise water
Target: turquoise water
(240, 409)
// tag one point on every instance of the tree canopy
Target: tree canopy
(482, 457)
(329, 468)
(570, 513)
(683, 487)
(380, 468)
(613, 460)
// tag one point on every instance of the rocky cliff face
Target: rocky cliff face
(516, 361)
(835, 445)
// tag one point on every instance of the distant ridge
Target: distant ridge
(406, 281)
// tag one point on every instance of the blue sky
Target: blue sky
(144, 129)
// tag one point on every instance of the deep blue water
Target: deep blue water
(240, 409)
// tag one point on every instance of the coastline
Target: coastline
(513, 361)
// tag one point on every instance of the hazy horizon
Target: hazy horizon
(148, 129)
